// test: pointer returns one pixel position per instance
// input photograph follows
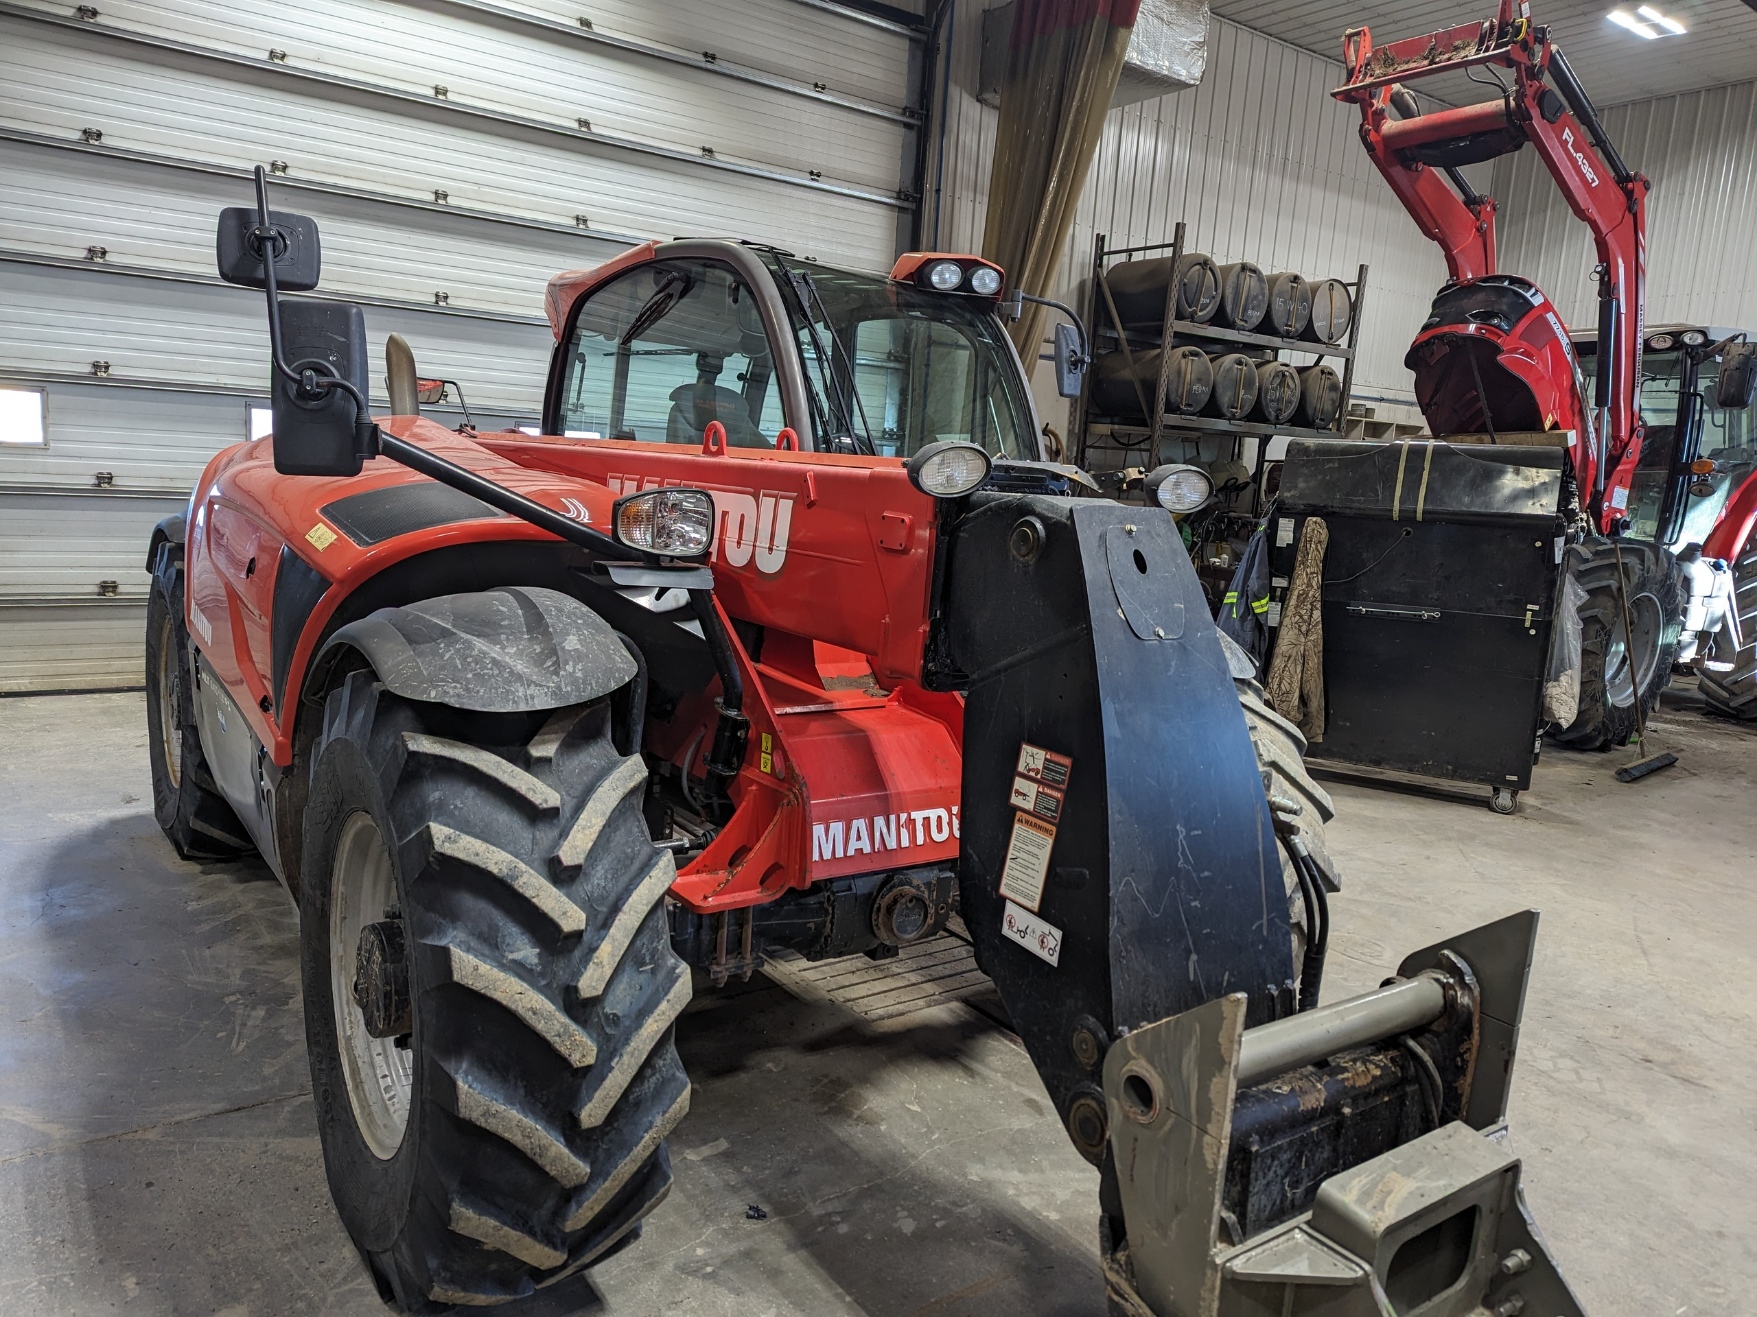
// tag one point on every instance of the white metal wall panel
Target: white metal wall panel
(1700, 152)
(472, 197)
(1258, 162)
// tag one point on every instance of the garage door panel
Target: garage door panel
(514, 68)
(61, 545)
(782, 37)
(74, 647)
(179, 109)
(142, 440)
(153, 329)
(62, 203)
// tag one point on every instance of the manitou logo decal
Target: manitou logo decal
(878, 833)
(1579, 156)
(754, 524)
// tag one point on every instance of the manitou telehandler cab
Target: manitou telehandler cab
(782, 635)
(1659, 503)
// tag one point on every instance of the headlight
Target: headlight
(678, 523)
(1660, 342)
(1180, 489)
(985, 281)
(948, 469)
(945, 275)
(1693, 338)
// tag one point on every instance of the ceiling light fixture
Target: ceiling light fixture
(1652, 15)
(1623, 18)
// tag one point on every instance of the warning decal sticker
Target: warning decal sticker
(1035, 798)
(1044, 766)
(1038, 936)
(1027, 866)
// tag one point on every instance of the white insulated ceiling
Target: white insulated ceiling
(1615, 65)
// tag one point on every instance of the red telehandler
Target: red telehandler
(783, 635)
(1661, 537)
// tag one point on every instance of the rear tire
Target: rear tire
(1613, 673)
(1281, 749)
(186, 799)
(514, 1134)
(1734, 694)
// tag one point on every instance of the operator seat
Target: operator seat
(694, 406)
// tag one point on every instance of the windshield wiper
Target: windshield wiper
(671, 290)
(804, 286)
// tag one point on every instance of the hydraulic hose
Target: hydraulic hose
(732, 730)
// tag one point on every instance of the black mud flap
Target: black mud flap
(1118, 861)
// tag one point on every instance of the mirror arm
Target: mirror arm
(461, 478)
(1018, 295)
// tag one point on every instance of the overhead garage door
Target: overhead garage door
(456, 154)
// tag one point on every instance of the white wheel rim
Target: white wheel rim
(1625, 680)
(380, 1075)
(170, 687)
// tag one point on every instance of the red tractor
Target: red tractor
(782, 635)
(1663, 489)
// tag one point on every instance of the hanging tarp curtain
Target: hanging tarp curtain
(1063, 61)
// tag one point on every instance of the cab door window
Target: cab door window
(660, 352)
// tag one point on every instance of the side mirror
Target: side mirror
(428, 392)
(1738, 376)
(298, 259)
(316, 435)
(1070, 362)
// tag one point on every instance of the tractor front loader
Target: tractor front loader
(782, 635)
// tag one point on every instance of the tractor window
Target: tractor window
(664, 350)
(926, 366)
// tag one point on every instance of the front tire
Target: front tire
(1616, 672)
(494, 1087)
(1734, 694)
(186, 799)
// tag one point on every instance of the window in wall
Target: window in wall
(664, 350)
(23, 417)
(259, 421)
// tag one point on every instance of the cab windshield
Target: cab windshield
(1728, 437)
(890, 368)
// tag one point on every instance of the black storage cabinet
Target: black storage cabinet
(1440, 584)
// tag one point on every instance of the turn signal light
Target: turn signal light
(678, 523)
(1702, 466)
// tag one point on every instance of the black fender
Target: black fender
(515, 649)
(172, 530)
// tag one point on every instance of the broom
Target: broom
(1640, 768)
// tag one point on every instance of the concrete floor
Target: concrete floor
(157, 1153)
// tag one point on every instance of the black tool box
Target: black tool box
(1440, 583)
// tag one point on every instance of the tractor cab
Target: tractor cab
(671, 337)
(1697, 451)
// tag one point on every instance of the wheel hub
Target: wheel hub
(1629, 659)
(381, 980)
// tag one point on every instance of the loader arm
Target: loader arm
(1546, 107)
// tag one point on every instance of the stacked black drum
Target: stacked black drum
(1235, 374)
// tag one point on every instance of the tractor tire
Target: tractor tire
(1734, 694)
(186, 799)
(490, 993)
(1610, 683)
(1281, 749)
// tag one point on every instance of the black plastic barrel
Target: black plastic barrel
(1290, 305)
(1235, 387)
(1244, 296)
(1278, 392)
(1320, 398)
(1332, 312)
(1138, 288)
(1188, 382)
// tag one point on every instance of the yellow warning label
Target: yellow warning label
(767, 758)
(320, 536)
